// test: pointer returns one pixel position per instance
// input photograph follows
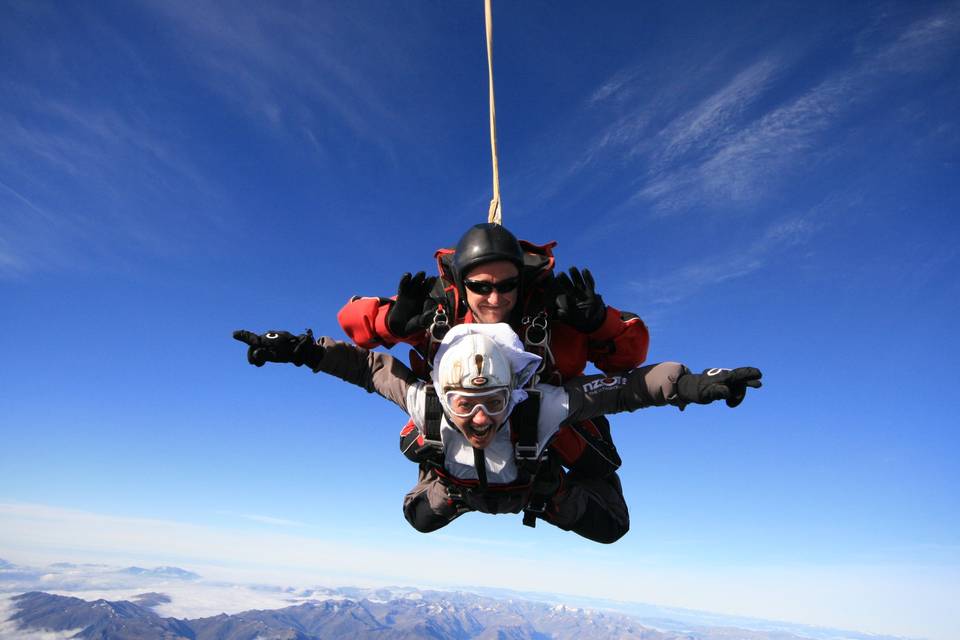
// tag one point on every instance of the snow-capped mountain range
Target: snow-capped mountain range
(96, 601)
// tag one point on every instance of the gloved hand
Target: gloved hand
(718, 384)
(281, 346)
(577, 303)
(413, 310)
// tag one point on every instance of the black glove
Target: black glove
(281, 346)
(413, 310)
(577, 303)
(718, 384)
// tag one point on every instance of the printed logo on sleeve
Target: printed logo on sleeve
(604, 383)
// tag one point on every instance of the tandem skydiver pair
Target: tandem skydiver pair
(502, 419)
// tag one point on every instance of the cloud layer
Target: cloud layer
(905, 600)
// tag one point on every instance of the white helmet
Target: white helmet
(474, 363)
(483, 364)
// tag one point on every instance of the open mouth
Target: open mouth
(478, 432)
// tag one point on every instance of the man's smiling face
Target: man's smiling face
(487, 303)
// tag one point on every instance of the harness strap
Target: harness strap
(480, 464)
(542, 488)
(541, 469)
(536, 340)
(431, 451)
(523, 425)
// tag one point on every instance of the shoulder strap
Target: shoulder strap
(432, 414)
(431, 451)
(542, 470)
(523, 425)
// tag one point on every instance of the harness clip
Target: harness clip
(430, 446)
(536, 334)
(440, 325)
(437, 330)
(531, 512)
(539, 507)
(525, 451)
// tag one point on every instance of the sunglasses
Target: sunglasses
(484, 288)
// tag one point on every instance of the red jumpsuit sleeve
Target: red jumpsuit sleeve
(621, 342)
(365, 321)
(569, 348)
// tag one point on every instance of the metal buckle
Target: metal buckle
(538, 508)
(430, 444)
(440, 325)
(536, 333)
(438, 329)
(525, 452)
(535, 339)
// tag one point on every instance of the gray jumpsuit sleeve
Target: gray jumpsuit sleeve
(651, 386)
(372, 370)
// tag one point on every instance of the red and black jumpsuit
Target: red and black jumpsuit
(620, 344)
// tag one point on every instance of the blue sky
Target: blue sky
(769, 184)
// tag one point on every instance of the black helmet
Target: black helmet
(482, 243)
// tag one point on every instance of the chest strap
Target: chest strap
(523, 427)
(431, 451)
(542, 470)
(480, 465)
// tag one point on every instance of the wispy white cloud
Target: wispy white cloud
(188, 598)
(716, 117)
(281, 522)
(737, 162)
(745, 165)
(24, 200)
(885, 598)
(735, 149)
(105, 135)
(82, 178)
(923, 43)
(725, 151)
(292, 66)
(42, 530)
(614, 88)
(206, 597)
(114, 168)
(685, 281)
(96, 148)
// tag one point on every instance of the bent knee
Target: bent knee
(605, 530)
(424, 519)
(612, 534)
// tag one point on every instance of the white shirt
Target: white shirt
(500, 459)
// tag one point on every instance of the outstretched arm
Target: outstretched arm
(657, 385)
(374, 371)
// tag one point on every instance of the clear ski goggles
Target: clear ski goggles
(465, 404)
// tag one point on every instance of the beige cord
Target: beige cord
(496, 213)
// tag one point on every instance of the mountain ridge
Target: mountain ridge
(453, 616)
